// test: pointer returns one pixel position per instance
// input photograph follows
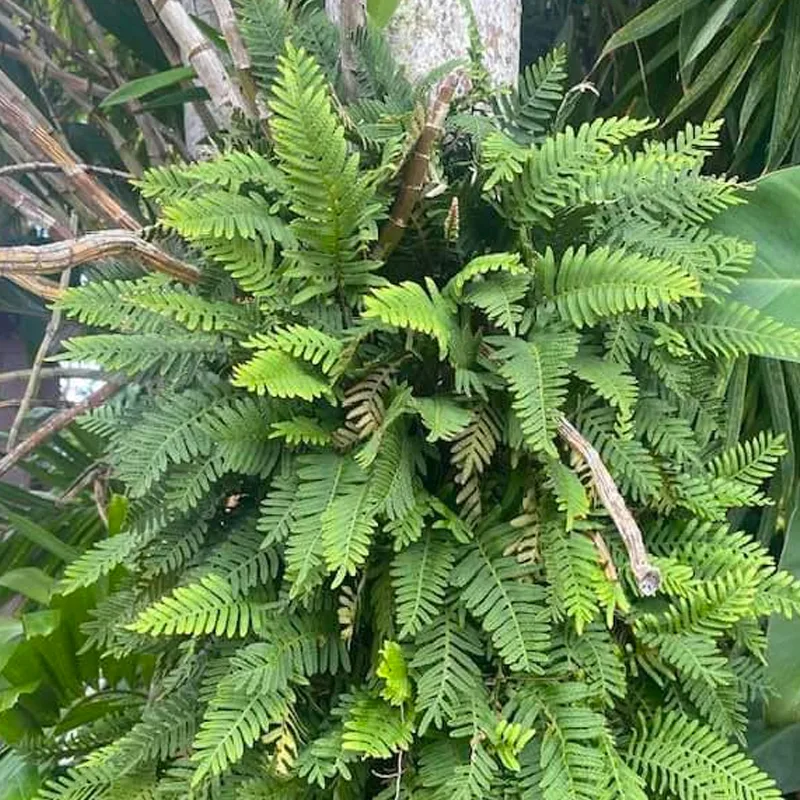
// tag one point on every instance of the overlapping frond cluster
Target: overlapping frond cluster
(364, 559)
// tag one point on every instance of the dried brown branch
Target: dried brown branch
(160, 33)
(199, 52)
(45, 68)
(41, 287)
(57, 422)
(50, 331)
(417, 169)
(31, 208)
(29, 126)
(647, 576)
(27, 260)
(53, 372)
(240, 57)
(51, 166)
(154, 142)
(604, 556)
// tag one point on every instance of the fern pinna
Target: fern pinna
(446, 520)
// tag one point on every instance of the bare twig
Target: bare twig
(50, 331)
(240, 57)
(417, 169)
(647, 576)
(57, 422)
(31, 208)
(53, 372)
(198, 51)
(51, 166)
(47, 69)
(20, 121)
(50, 258)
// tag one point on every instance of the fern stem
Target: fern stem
(647, 576)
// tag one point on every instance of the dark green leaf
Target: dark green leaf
(143, 86)
(30, 582)
(648, 22)
(39, 536)
(786, 122)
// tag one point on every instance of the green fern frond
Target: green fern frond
(279, 374)
(420, 576)
(498, 297)
(570, 494)
(302, 342)
(590, 286)
(537, 373)
(374, 728)
(482, 266)
(207, 607)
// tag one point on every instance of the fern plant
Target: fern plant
(445, 519)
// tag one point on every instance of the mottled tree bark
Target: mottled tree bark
(424, 34)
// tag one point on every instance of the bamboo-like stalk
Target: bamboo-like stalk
(57, 422)
(647, 575)
(29, 126)
(198, 51)
(34, 381)
(44, 67)
(30, 207)
(48, 35)
(417, 169)
(41, 287)
(239, 55)
(155, 145)
(29, 260)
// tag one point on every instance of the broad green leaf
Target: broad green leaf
(30, 582)
(380, 11)
(786, 122)
(41, 623)
(775, 751)
(19, 780)
(142, 86)
(648, 22)
(742, 36)
(117, 513)
(762, 81)
(40, 536)
(9, 697)
(783, 639)
(714, 20)
(736, 74)
(769, 220)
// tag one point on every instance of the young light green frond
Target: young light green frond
(537, 372)
(393, 670)
(730, 329)
(207, 607)
(407, 305)
(691, 146)
(229, 171)
(444, 660)
(374, 728)
(279, 374)
(674, 752)
(527, 111)
(225, 215)
(334, 202)
(511, 611)
(590, 286)
(510, 263)
(300, 341)
(301, 430)
(250, 264)
(420, 576)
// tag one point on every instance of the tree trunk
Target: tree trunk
(424, 34)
